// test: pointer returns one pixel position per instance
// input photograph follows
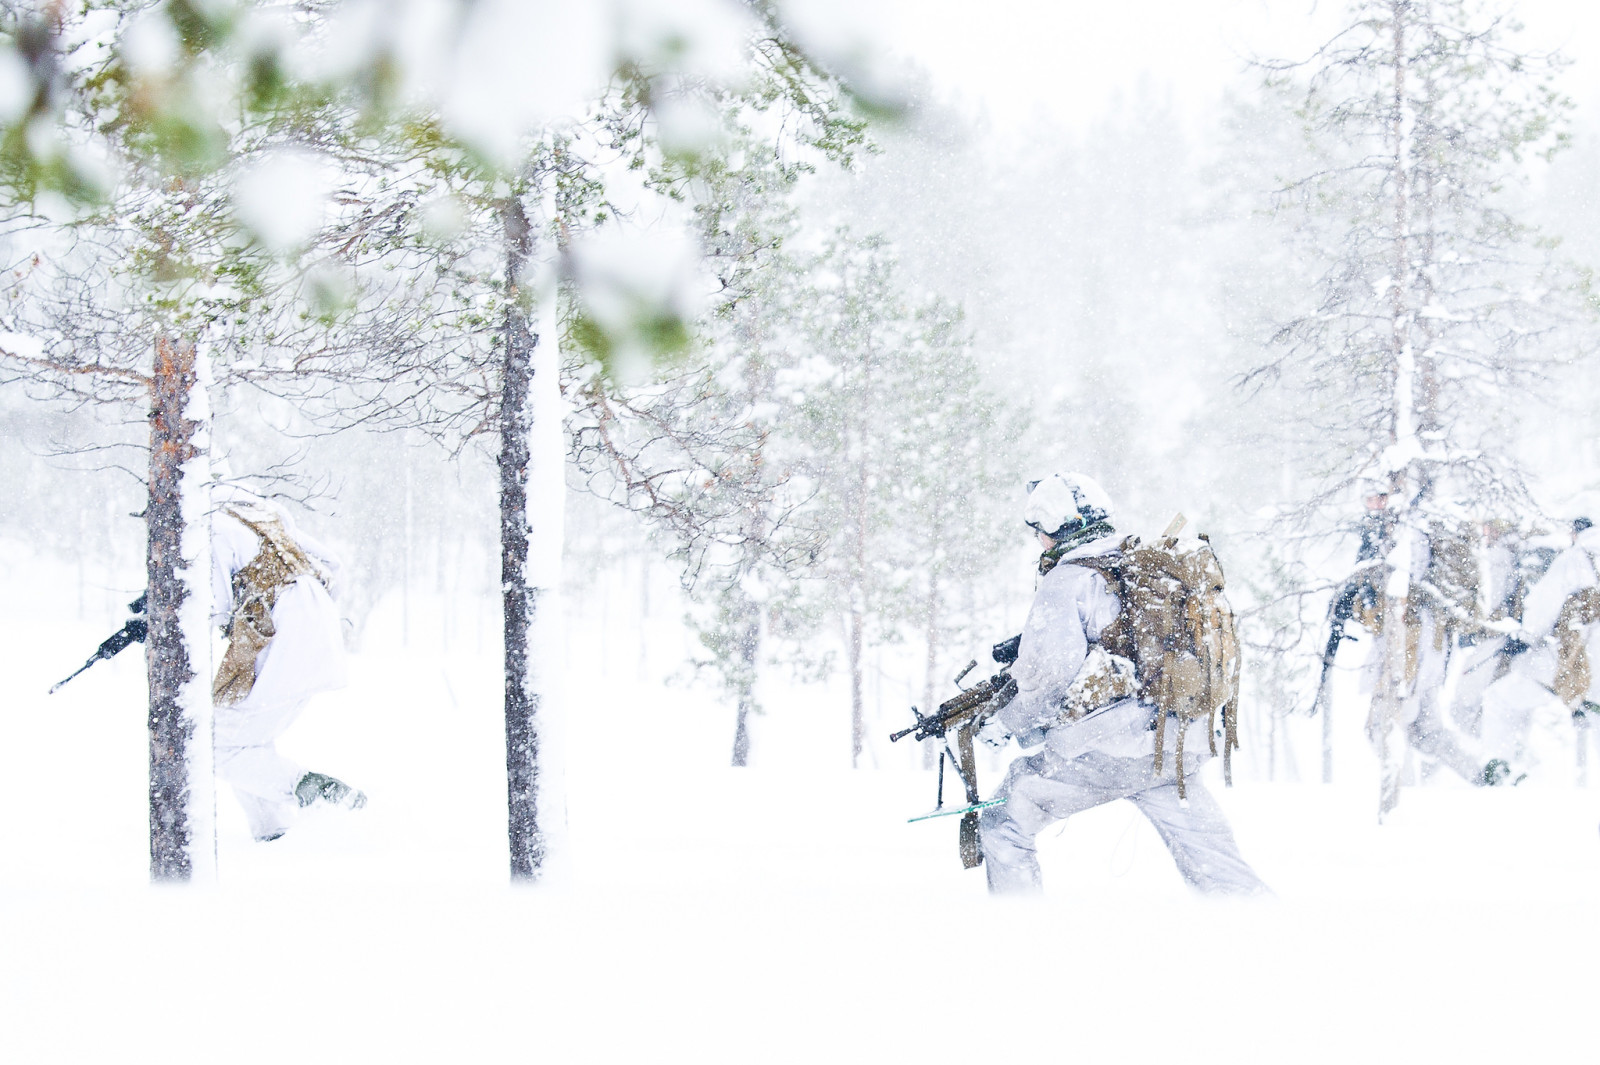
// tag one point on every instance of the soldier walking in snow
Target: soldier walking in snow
(1558, 641)
(1441, 603)
(1078, 704)
(271, 596)
(1513, 563)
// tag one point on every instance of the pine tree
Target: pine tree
(436, 333)
(130, 300)
(904, 450)
(1434, 304)
(958, 499)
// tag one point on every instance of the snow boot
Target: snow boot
(315, 787)
(1498, 774)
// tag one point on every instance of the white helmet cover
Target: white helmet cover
(1063, 503)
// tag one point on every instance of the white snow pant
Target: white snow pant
(1426, 730)
(1481, 665)
(1510, 703)
(1043, 788)
(262, 779)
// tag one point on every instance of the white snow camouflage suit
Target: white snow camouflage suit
(1422, 708)
(1105, 757)
(304, 657)
(1511, 702)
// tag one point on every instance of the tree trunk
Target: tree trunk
(1403, 428)
(1327, 744)
(1394, 680)
(518, 599)
(858, 721)
(930, 748)
(405, 561)
(858, 591)
(1272, 746)
(741, 734)
(177, 647)
(747, 636)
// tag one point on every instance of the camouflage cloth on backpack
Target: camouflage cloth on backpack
(1449, 586)
(1448, 591)
(1573, 675)
(278, 564)
(1176, 627)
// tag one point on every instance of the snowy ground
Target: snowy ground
(781, 913)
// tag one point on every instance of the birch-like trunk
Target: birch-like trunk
(183, 839)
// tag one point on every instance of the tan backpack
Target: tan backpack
(1176, 626)
(1451, 582)
(279, 564)
(1573, 676)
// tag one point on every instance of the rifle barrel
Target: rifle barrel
(134, 631)
(58, 684)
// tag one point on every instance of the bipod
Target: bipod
(974, 808)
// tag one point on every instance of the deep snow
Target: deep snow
(781, 913)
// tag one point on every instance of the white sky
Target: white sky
(1068, 57)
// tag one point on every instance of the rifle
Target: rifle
(131, 633)
(1340, 611)
(965, 714)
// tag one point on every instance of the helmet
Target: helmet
(1065, 503)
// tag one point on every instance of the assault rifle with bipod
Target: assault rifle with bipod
(964, 714)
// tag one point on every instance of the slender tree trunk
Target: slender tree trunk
(1581, 749)
(1394, 679)
(1327, 744)
(858, 585)
(741, 734)
(748, 647)
(177, 647)
(405, 562)
(930, 748)
(1403, 427)
(518, 601)
(1272, 746)
(1402, 424)
(858, 723)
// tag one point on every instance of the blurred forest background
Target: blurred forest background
(888, 314)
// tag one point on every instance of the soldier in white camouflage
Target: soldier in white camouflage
(1441, 608)
(1081, 757)
(1557, 642)
(270, 585)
